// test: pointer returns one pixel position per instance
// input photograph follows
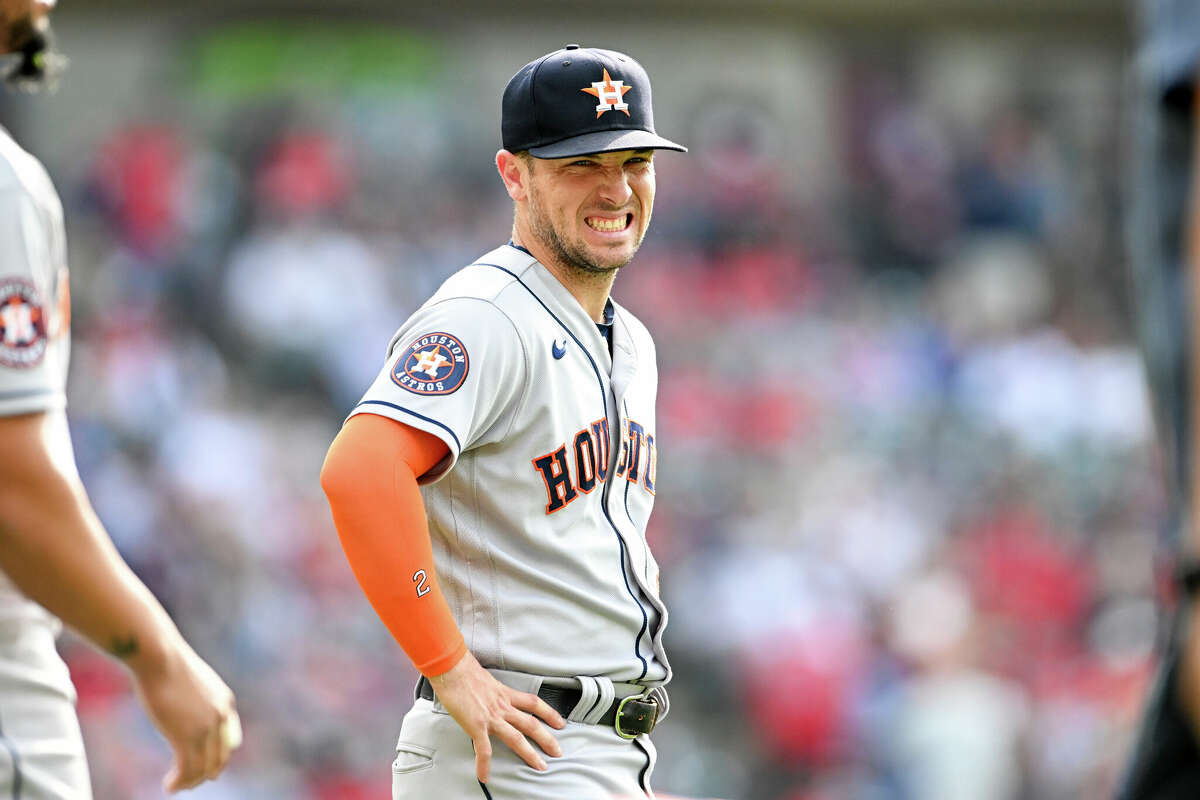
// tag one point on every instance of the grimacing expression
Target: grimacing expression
(592, 211)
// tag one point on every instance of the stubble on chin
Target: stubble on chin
(570, 255)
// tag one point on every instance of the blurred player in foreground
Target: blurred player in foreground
(1165, 259)
(56, 560)
(521, 398)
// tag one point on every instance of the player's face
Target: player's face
(592, 211)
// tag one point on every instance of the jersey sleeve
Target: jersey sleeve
(29, 381)
(457, 370)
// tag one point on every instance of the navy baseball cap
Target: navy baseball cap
(579, 100)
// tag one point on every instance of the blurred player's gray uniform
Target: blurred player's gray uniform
(1166, 761)
(41, 752)
(537, 518)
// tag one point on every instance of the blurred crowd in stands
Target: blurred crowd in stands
(909, 496)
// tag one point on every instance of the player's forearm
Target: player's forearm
(56, 551)
(380, 519)
(423, 626)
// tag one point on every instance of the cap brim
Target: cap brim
(605, 142)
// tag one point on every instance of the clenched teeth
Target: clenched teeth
(608, 225)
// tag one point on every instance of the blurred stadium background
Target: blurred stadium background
(909, 504)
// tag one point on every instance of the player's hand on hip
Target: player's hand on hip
(194, 710)
(485, 707)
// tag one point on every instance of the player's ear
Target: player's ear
(514, 172)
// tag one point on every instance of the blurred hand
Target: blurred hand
(483, 706)
(1189, 669)
(194, 710)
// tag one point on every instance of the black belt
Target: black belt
(635, 714)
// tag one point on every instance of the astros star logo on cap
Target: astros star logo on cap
(542, 111)
(610, 94)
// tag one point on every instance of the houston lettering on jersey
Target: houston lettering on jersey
(581, 465)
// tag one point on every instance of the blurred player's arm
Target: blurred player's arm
(371, 479)
(1189, 682)
(56, 551)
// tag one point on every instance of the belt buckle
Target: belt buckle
(648, 707)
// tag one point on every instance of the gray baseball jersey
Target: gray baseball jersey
(34, 307)
(41, 750)
(538, 515)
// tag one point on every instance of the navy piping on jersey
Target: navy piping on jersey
(592, 707)
(413, 413)
(642, 775)
(609, 314)
(15, 758)
(637, 643)
(646, 627)
(26, 393)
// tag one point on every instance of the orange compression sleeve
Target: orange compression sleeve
(370, 477)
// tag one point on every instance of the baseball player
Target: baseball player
(56, 560)
(520, 399)
(1164, 257)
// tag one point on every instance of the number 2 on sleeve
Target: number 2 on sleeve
(419, 578)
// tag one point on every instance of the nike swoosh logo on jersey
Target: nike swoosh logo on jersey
(557, 350)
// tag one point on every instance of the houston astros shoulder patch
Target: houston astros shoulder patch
(22, 324)
(435, 363)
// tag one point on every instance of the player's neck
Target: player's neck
(590, 289)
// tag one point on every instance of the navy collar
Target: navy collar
(606, 326)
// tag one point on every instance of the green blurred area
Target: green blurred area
(252, 59)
